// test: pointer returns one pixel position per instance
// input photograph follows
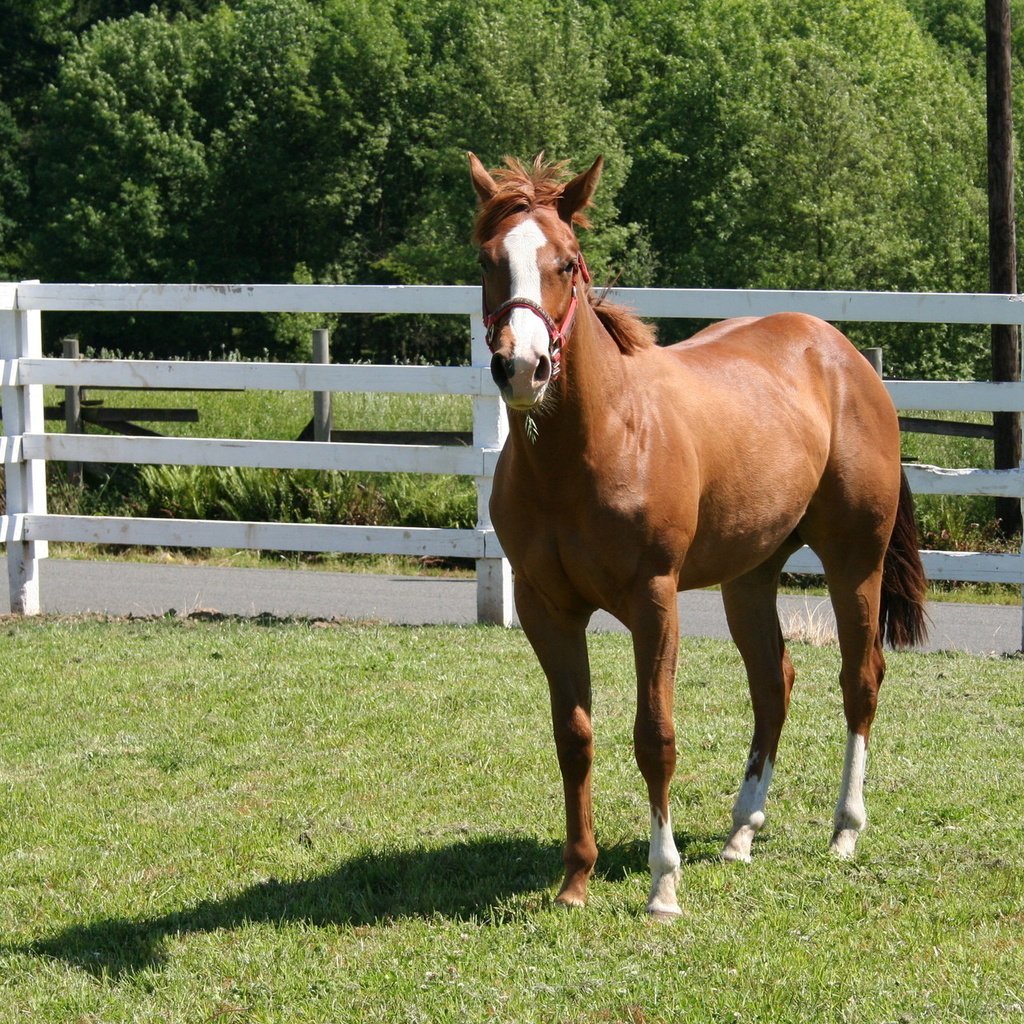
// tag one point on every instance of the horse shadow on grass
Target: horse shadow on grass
(474, 879)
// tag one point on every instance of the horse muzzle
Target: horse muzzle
(521, 381)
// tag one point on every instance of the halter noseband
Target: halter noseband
(557, 333)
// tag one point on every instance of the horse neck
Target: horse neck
(589, 391)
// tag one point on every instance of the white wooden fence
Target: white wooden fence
(26, 447)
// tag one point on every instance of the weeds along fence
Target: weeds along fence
(26, 447)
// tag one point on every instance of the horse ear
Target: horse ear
(483, 183)
(577, 194)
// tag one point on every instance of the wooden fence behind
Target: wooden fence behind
(26, 447)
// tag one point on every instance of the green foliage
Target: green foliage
(812, 147)
(122, 148)
(479, 82)
(755, 143)
(229, 148)
(305, 496)
(958, 26)
(13, 194)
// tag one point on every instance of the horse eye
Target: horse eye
(569, 267)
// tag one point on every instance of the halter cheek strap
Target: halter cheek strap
(557, 333)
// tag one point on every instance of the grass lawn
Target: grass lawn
(261, 821)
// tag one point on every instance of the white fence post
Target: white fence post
(21, 337)
(490, 428)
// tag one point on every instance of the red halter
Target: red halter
(557, 334)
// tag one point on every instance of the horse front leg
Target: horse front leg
(655, 628)
(560, 643)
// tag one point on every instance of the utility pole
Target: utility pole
(1002, 236)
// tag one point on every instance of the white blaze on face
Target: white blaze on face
(522, 247)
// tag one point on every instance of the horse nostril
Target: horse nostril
(502, 370)
(542, 372)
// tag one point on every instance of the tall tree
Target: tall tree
(243, 146)
(805, 145)
(14, 194)
(756, 143)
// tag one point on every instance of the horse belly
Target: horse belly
(717, 558)
(744, 522)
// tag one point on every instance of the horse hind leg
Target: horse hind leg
(754, 624)
(857, 579)
(863, 667)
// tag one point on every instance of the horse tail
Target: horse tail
(902, 620)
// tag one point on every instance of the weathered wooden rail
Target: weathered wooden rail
(26, 447)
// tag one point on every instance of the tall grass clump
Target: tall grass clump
(954, 522)
(306, 496)
(273, 495)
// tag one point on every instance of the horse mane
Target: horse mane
(522, 190)
(628, 331)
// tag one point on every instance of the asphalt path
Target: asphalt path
(148, 589)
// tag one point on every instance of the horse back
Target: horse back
(759, 366)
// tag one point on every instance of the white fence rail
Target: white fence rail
(25, 447)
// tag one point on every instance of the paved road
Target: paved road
(129, 588)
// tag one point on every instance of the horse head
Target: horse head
(533, 269)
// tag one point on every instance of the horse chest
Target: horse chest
(580, 542)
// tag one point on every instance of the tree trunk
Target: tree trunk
(1002, 239)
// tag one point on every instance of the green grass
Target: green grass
(943, 450)
(282, 415)
(279, 822)
(951, 522)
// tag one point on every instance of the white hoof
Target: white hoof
(844, 842)
(662, 903)
(739, 844)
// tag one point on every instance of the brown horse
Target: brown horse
(632, 472)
